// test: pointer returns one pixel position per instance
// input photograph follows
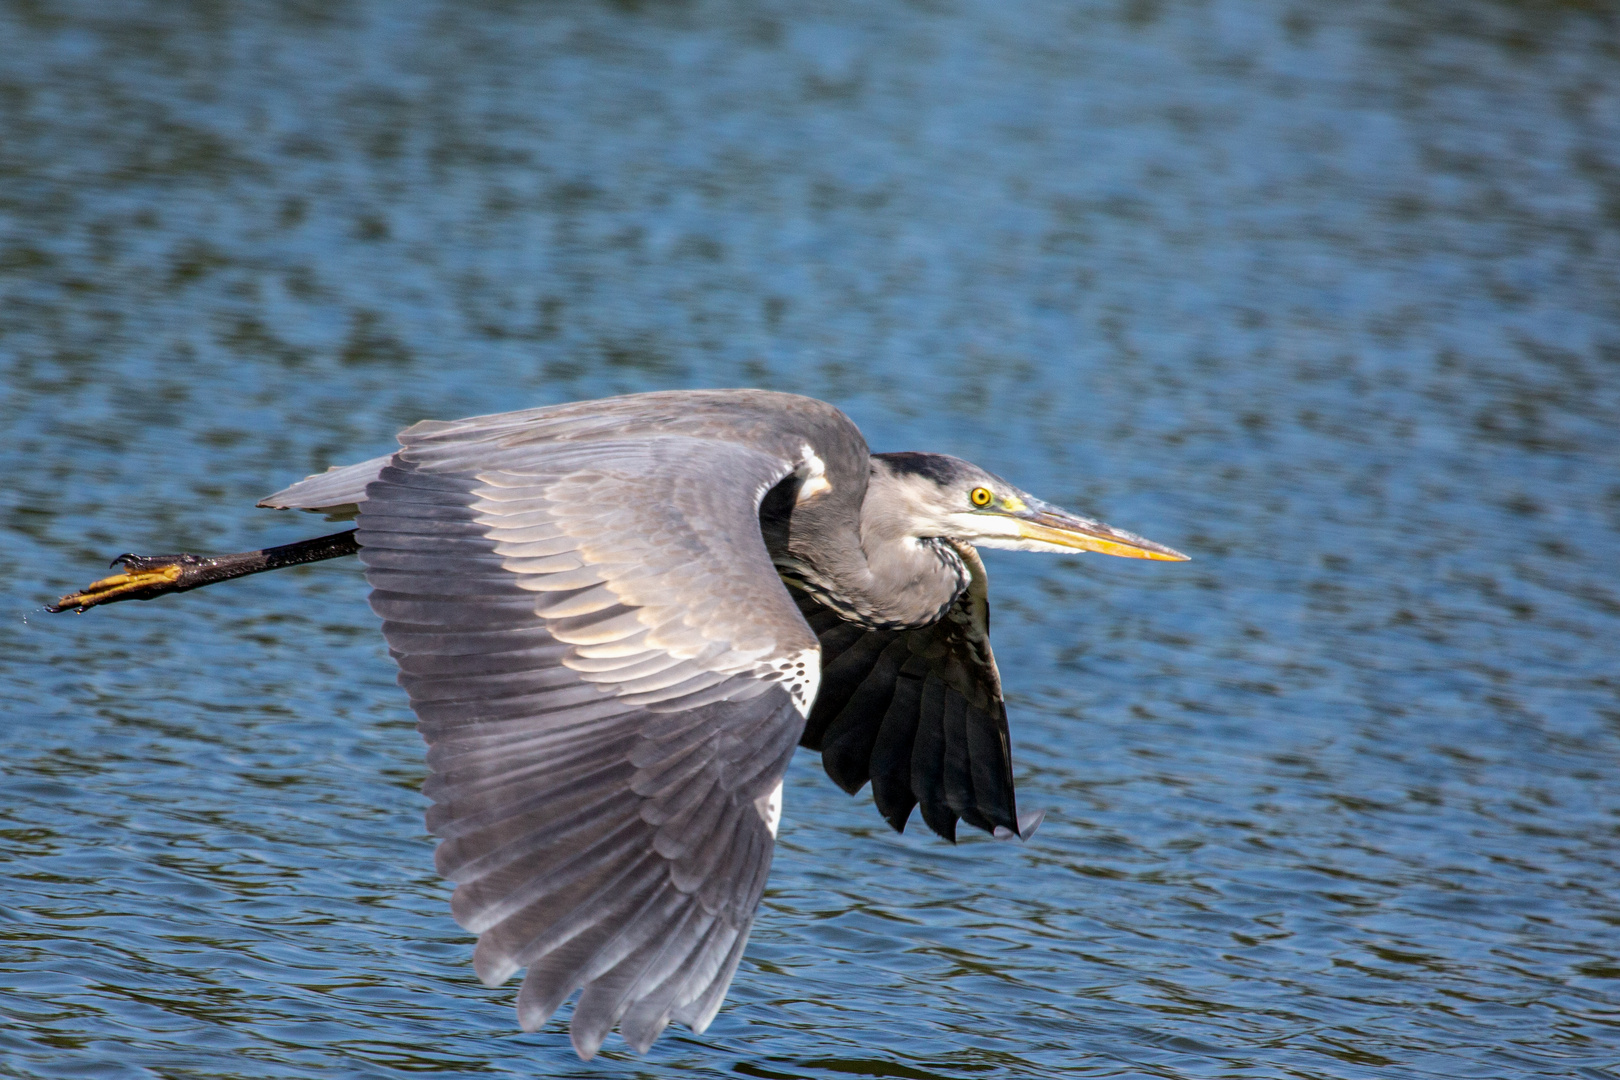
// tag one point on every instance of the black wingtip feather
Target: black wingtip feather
(928, 760)
(890, 763)
(847, 744)
(929, 732)
(990, 765)
(840, 680)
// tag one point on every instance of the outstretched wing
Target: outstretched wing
(919, 713)
(611, 679)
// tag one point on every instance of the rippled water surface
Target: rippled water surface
(1324, 293)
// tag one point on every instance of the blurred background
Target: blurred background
(1324, 293)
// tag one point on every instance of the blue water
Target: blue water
(1322, 293)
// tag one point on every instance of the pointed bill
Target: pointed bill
(1048, 524)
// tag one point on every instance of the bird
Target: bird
(616, 620)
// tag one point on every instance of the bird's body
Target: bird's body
(616, 619)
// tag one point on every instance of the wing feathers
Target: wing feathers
(654, 996)
(710, 980)
(566, 581)
(557, 936)
(445, 612)
(990, 766)
(959, 794)
(846, 745)
(633, 960)
(619, 668)
(530, 543)
(562, 603)
(840, 679)
(918, 713)
(337, 487)
(592, 641)
(892, 750)
(519, 914)
(928, 759)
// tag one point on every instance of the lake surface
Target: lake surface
(1325, 294)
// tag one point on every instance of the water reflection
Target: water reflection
(1321, 293)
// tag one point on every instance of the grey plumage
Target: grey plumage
(337, 492)
(616, 619)
(604, 667)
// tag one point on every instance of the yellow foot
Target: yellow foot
(135, 581)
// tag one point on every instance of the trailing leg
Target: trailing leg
(146, 577)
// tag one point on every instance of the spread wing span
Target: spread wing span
(611, 679)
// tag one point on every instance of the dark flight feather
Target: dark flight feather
(918, 713)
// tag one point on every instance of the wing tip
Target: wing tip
(1027, 824)
(493, 967)
(586, 1043)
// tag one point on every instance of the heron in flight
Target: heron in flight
(615, 621)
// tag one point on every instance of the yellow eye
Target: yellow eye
(981, 496)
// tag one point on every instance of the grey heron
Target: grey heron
(616, 619)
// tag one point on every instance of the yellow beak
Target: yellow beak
(1050, 525)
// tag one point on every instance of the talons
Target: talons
(141, 583)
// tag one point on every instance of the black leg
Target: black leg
(147, 577)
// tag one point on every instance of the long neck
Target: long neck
(859, 558)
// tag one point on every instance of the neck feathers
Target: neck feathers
(865, 560)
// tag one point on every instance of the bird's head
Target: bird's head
(944, 496)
